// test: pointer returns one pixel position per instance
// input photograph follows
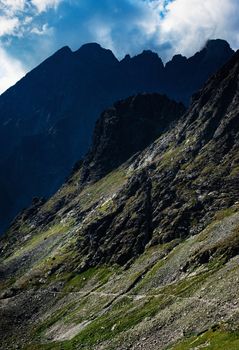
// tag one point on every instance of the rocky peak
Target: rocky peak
(94, 52)
(217, 46)
(64, 50)
(146, 57)
(61, 57)
(126, 58)
(214, 51)
(127, 128)
(220, 98)
(193, 72)
(176, 62)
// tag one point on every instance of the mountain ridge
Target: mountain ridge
(63, 96)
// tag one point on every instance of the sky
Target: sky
(31, 30)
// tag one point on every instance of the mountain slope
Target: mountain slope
(144, 258)
(64, 96)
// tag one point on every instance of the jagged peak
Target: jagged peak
(62, 54)
(90, 47)
(148, 54)
(126, 58)
(215, 48)
(146, 57)
(64, 51)
(95, 50)
(212, 44)
(177, 59)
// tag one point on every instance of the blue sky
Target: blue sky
(31, 30)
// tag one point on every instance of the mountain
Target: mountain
(47, 118)
(140, 256)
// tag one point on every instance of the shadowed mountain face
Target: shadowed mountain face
(127, 128)
(46, 119)
(145, 256)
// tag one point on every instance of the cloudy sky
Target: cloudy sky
(31, 30)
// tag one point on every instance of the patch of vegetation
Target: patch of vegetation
(171, 156)
(61, 314)
(102, 188)
(148, 277)
(100, 275)
(127, 312)
(56, 229)
(234, 171)
(225, 213)
(77, 311)
(186, 287)
(123, 316)
(210, 340)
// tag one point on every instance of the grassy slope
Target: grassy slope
(167, 286)
(98, 299)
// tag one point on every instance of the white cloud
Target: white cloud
(43, 5)
(16, 20)
(8, 25)
(16, 16)
(102, 34)
(189, 23)
(11, 70)
(43, 30)
(10, 7)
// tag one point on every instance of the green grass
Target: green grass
(222, 214)
(102, 188)
(123, 316)
(148, 277)
(127, 313)
(56, 229)
(99, 274)
(173, 154)
(218, 340)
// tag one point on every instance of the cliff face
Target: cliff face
(127, 128)
(147, 256)
(64, 96)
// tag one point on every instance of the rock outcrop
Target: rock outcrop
(127, 128)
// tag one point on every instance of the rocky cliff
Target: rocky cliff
(127, 128)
